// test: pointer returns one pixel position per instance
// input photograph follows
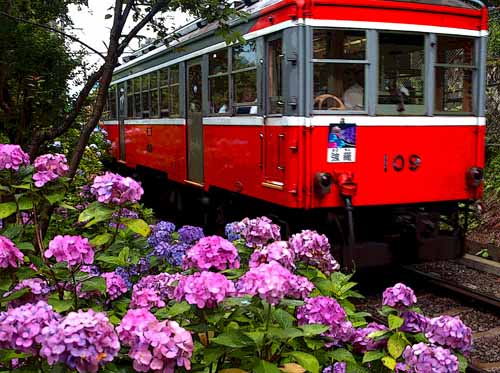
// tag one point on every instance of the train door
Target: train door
(194, 128)
(122, 115)
(274, 134)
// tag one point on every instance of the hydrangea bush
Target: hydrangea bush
(107, 291)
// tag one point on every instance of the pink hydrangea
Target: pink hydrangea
(12, 157)
(146, 298)
(83, 340)
(38, 290)
(49, 167)
(414, 322)
(133, 324)
(259, 231)
(424, 358)
(278, 251)
(272, 282)
(313, 248)
(152, 291)
(399, 296)
(10, 255)
(339, 367)
(21, 327)
(450, 332)
(212, 252)
(204, 289)
(362, 342)
(115, 285)
(116, 189)
(74, 250)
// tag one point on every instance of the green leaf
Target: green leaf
(67, 207)
(266, 367)
(308, 362)
(378, 333)
(7, 355)
(288, 333)
(372, 356)
(25, 246)
(283, 318)
(15, 295)
(171, 312)
(60, 305)
(341, 354)
(13, 231)
(389, 362)
(124, 254)
(292, 302)
(25, 204)
(395, 322)
(95, 213)
(25, 272)
(138, 226)
(94, 284)
(313, 329)
(396, 345)
(234, 339)
(22, 186)
(462, 362)
(54, 197)
(111, 260)
(7, 209)
(101, 239)
(5, 284)
(257, 337)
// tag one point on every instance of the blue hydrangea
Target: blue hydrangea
(189, 234)
(161, 232)
(171, 252)
(233, 231)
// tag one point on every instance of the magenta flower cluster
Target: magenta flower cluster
(278, 251)
(155, 346)
(82, 340)
(74, 250)
(116, 189)
(399, 296)
(326, 311)
(450, 332)
(259, 231)
(204, 289)
(339, 367)
(21, 327)
(424, 358)
(12, 157)
(49, 167)
(414, 322)
(362, 342)
(313, 248)
(10, 255)
(153, 291)
(38, 290)
(273, 282)
(115, 285)
(212, 252)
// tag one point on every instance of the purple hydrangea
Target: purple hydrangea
(116, 189)
(362, 342)
(414, 322)
(339, 367)
(278, 251)
(49, 167)
(424, 358)
(172, 252)
(115, 285)
(204, 289)
(313, 249)
(399, 296)
(38, 290)
(259, 231)
(212, 252)
(154, 290)
(123, 213)
(272, 282)
(233, 230)
(10, 255)
(82, 340)
(161, 232)
(450, 332)
(190, 235)
(326, 311)
(12, 157)
(73, 250)
(125, 275)
(21, 327)
(133, 323)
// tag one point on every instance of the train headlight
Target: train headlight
(322, 183)
(474, 177)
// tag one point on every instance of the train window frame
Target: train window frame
(280, 71)
(166, 85)
(172, 87)
(234, 104)
(137, 110)
(219, 75)
(364, 62)
(154, 91)
(145, 96)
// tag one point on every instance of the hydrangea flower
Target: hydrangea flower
(259, 231)
(450, 332)
(272, 282)
(125, 275)
(73, 250)
(362, 343)
(114, 188)
(146, 298)
(12, 157)
(233, 230)
(172, 252)
(38, 290)
(133, 323)
(204, 289)
(414, 322)
(115, 285)
(314, 249)
(339, 367)
(49, 167)
(399, 296)
(21, 327)
(278, 251)
(163, 283)
(161, 232)
(212, 252)
(326, 311)
(123, 213)
(10, 255)
(82, 340)
(424, 358)
(189, 234)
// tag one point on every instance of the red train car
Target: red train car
(365, 116)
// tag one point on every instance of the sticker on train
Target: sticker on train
(341, 142)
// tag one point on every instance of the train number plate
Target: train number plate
(341, 142)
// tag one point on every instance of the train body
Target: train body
(329, 106)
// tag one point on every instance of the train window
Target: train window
(137, 97)
(164, 105)
(401, 83)
(275, 92)
(130, 99)
(218, 82)
(153, 91)
(454, 71)
(112, 102)
(174, 90)
(244, 78)
(339, 70)
(145, 96)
